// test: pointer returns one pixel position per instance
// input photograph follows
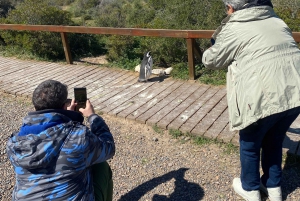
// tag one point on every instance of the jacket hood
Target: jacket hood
(252, 14)
(41, 137)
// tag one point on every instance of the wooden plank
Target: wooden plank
(23, 83)
(106, 84)
(110, 79)
(107, 92)
(14, 67)
(138, 98)
(32, 70)
(32, 84)
(68, 76)
(211, 117)
(75, 72)
(216, 128)
(5, 66)
(204, 106)
(141, 100)
(167, 114)
(175, 114)
(125, 96)
(31, 81)
(79, 80)
(226, 135)
(38, 72)
(91, 77)
(111, 92)
(4, 60)
(193, 104)
(154, 110)
(154, 102)
(90, 83)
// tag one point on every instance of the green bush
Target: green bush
(46, 45)
(35, 12)
(86, 45)
(180, 71)
(155, 14)
(123, 47)
(289, 16)
(213, 77)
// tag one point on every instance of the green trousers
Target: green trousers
(102, 182)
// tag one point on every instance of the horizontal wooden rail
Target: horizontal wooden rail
(189, 35)
(112, 31)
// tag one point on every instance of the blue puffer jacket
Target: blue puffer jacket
(53, 152)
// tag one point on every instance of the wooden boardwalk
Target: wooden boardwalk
(170, 104)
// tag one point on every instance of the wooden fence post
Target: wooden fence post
(191, 59)
(68, 55)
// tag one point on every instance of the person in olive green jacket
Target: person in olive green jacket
(263, 89)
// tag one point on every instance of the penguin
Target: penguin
(146, 67)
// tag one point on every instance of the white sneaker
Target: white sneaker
(247, 195)
(274, 194)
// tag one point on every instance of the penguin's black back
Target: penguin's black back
(142, 77)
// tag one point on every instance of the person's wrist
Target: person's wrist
(92, 117)
(90, 114)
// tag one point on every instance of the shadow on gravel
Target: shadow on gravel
(184, 190)
(290, 175)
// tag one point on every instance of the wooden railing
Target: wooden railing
(190, 36)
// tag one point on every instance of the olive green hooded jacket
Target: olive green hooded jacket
(263, 63)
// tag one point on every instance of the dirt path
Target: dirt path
(153, 165)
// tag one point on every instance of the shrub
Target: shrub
(35, 12)
(46, 45)
(155, 14)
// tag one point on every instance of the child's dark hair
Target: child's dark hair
(50, 94)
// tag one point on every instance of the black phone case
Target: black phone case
(80, 96)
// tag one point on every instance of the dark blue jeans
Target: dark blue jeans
(266, 134)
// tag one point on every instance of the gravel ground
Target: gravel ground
(152, 165)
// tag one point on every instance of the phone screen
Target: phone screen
(80, 97)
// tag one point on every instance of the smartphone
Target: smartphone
(80, 96)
